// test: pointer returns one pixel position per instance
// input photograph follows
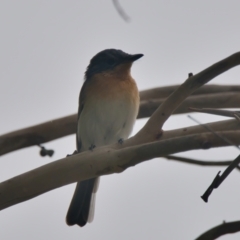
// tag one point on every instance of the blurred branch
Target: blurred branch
(120, 11)
(199, 162)
(220, 126)
(38, 134)
(225, 113)
(214, 100)
(164, 92)
(61, 127)
(220, 230)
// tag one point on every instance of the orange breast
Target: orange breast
(112, 85)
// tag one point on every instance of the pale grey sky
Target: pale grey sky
(45, 46)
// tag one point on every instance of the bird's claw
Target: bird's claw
(92, 147)
(120, 141)
(75, 152)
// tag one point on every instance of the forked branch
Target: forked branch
(211, 96)
(116, 158)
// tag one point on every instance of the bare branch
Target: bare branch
(220, 112)
(115, 158)
(217, 134)
(237, 117)
(220, 230)
(102, 161)
(220, 126)
(38, 134)
(149, 131)
(164, 92)
(215, 100)
(120, 11)
(57, 128)
(220, 178)
(199, 162)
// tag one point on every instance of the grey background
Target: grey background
(45, 46)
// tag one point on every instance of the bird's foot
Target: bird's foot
(92, 147)
(75, 152)
(120, 141)
(159, 134)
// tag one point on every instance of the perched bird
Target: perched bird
(108, 107)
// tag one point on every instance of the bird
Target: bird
(108, 107)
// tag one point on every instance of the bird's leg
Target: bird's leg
(120, 141)
(92, 147)
(159, 134)
(75, 152)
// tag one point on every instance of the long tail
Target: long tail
(81, 209)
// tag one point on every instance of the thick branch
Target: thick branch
(219, 112)
(220, 126)
(164, 92)
(176, 98)
(57, 128)
(102, 161)
(216, 100)
(116, 158)
(220, 230)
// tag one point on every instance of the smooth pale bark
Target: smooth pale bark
(102, 161)
(145, 145)
(61, 127)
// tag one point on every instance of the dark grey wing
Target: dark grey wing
(81, 100)
(79, 208)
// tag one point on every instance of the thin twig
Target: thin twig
(199, 162)
(164, 92)
(121, 11)
(220, 178)
(237, 117)
(211, 130)
(213, 100)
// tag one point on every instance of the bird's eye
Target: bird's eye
(111, 62)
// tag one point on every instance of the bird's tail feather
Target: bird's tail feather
(81, 209)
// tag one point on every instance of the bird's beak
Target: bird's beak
(135, 57)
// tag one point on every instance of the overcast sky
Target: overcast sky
(45, 47)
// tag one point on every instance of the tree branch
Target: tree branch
(149, 131)
(121, 11)
(104, 160)
(220, 126)
(220, 230)
(220, 178)
(116, 158)
(199, 162)
(38, 134)
(61, 127)
(215, 100)
(220, 112)
(164, 92)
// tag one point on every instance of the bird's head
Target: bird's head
(110, 60)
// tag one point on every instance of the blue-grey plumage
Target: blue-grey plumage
(108, 107)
